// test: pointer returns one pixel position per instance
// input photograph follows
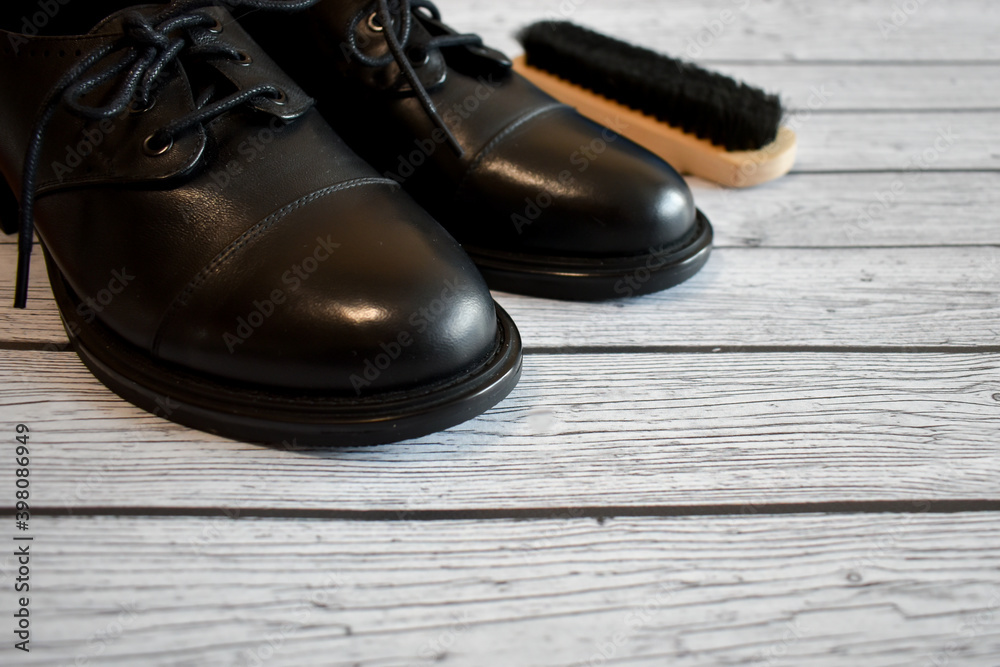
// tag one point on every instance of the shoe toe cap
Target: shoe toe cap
(564, 185)
(357, 292)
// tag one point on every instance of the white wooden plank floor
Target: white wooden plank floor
(792, 459)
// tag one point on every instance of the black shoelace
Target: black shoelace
(396, 30)
(147, 48)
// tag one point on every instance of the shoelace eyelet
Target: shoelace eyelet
(373, 23)
(137, 107)
(279, 98)
(138, 64)
(150, 149)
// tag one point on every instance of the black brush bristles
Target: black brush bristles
(707, 104)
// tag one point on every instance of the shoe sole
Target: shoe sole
(290, 418)
(597, 279)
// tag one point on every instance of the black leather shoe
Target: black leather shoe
(545, 201)
(218, 255)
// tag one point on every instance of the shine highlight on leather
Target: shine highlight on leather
(525, 184)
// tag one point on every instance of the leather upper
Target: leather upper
(535, 176)
(259, 248)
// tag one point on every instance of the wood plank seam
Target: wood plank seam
(598, 513)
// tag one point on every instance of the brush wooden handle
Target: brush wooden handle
(685, 152)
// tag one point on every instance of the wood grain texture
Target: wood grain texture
(775, 30)
(580, 430)
(856, 210)
(917, 141)
(787, 414)
(750, 296)
(879, 591)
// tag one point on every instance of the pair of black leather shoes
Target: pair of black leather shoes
(225, 258)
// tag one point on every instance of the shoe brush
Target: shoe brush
(701, 122)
